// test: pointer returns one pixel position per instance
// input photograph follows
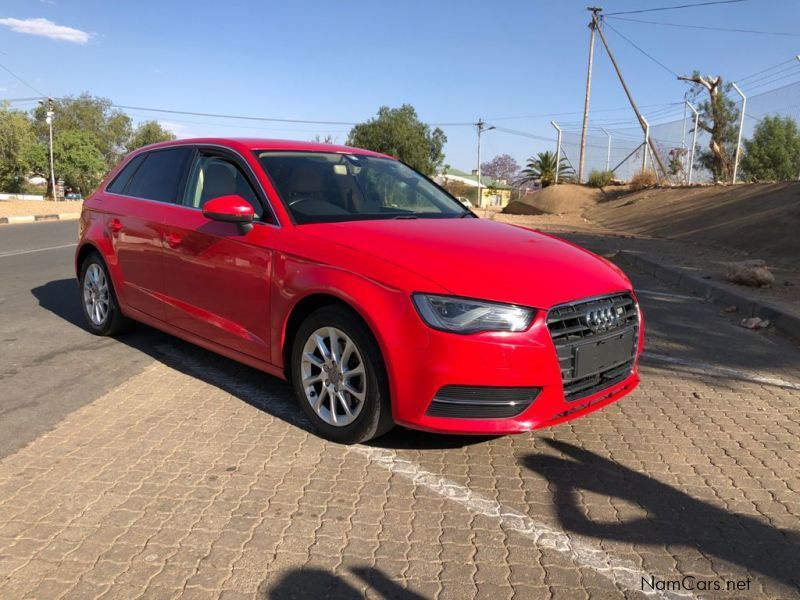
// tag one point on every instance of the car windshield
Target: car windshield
(320, 187)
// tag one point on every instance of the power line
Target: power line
(791, 68)
(632, 43)
(762, 71)
(225, 116)
(579, 112)
(707, 27)
(645, 10)
(21, 80)
(770, 82)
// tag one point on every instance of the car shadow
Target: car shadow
(316, 583)
(264, 392)
(672, 516)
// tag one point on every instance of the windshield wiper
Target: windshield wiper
(465, 215)
(405, 217)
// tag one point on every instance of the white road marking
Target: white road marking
(708, 369)
(658, 293)
(31, 251)
(624, 574)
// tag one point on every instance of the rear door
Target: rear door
(216, 275)
(135, 223)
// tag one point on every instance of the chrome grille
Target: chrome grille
(569, 331)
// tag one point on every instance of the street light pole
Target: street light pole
(49, 120)
(481, 126)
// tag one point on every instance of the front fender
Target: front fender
(387, 310)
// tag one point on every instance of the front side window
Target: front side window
(214, 176)
(320, 187)
(159, 176)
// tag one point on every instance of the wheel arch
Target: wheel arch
(303, 308)
(83, 253)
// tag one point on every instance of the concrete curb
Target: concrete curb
(36, 218)
(784, 320)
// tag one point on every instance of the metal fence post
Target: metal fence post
(558, 149)
(608, 152)
(741, 127)
(694, 140)
(646, 143)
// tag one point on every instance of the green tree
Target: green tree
(148, 132)
(78, 160)
(16, 142)
(773, 153)
(718, 117)
(95, 116)
(398, 132)
(542, 168)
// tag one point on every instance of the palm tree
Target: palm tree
(542, 168)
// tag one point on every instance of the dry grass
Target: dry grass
(646, 178)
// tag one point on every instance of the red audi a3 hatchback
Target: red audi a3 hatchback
(374, 291)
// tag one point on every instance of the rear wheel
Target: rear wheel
(99, 303)
(339, 378)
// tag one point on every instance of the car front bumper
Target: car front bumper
(492, 360)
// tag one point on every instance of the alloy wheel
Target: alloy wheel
(96, 295)
(333, 376)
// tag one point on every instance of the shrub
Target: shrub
(600, 179)
(644, 179)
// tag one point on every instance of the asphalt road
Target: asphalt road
(50, 365)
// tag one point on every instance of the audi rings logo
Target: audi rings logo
(604, 318)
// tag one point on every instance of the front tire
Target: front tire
(339, 378)
(98, 300)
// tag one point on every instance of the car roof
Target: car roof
(266, 144)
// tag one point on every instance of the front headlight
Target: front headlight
(461, 315)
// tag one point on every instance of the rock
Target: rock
(730, 309)
(750, 272)
(754, 323)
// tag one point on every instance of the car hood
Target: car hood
(478, 258)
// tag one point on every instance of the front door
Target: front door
(216, 275)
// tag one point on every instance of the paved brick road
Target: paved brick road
(198, 478)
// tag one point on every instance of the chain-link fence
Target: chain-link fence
(619, 145)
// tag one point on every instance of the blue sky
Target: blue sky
(454, 60)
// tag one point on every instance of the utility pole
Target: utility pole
(642, 122)
(592, 26)
(49, 121)
(481, 127)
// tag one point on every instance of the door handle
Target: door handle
(173, 240)
(116, 225)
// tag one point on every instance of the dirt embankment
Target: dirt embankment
(762, 220)
(566, 199)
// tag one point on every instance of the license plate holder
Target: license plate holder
(604, 354)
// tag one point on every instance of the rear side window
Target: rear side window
(159, 176)
(124, 176)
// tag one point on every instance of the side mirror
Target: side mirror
(230, 209)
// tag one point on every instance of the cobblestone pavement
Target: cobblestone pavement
(198, 478)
